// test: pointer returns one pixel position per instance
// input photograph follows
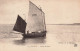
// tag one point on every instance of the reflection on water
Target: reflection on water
(39, 40)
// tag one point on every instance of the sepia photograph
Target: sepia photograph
(39, 25)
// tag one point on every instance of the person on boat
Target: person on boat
(28, 32)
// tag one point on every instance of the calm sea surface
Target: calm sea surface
(56, 34)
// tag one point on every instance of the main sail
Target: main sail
(36, 19)
(20, 25)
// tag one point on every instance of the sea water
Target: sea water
(56, 35)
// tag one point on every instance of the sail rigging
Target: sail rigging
(35, 23)
(36, 19)
(20, 25)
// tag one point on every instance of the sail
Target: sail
(20, 25)
(36, 19)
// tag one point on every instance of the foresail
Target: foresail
(20, 25)
(36, 19)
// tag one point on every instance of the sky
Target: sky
(56, 11)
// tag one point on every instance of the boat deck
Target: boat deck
(34, 34)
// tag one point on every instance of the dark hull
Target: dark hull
(34, 34)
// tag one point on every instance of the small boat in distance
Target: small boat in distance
(35, 25)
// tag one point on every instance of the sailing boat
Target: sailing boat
(35, 25)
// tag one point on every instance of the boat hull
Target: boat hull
(34, 34)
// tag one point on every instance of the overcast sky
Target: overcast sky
(56, 11)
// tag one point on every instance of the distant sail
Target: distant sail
(36, 19)
(20, 25)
